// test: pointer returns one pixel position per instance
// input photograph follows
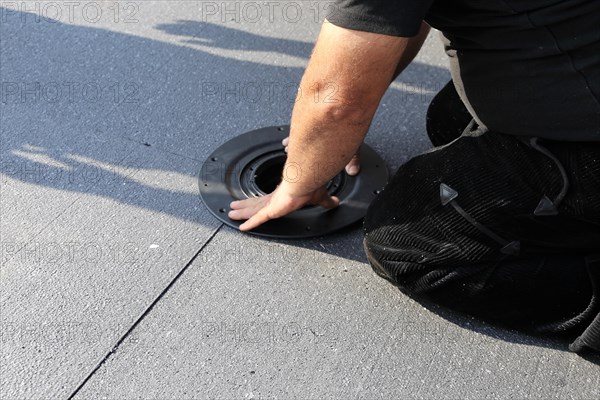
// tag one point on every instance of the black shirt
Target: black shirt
(523, 67)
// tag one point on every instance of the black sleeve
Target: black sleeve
(388, 17)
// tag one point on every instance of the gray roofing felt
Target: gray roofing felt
(116, 282)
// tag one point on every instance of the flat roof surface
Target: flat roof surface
(116, 282)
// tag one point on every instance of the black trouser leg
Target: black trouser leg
(447, 116)
(452, 250)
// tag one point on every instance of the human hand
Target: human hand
(281, 202)
(352, 168)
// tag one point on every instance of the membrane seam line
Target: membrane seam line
(143, 315)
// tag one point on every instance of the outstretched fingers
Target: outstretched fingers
(245, 209)
(257, 219)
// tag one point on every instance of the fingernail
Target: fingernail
(353, 170)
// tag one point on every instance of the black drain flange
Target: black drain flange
(251, 165)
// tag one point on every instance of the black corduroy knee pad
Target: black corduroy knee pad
(429, 249)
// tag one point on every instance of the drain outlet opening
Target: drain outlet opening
(268, 174)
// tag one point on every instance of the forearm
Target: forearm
(348, 74)
(322, 142)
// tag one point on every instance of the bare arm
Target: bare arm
(348, 73)
(341, 89)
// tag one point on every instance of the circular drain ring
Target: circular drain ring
(251, 164)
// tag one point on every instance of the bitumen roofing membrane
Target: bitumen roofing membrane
(116, 282)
